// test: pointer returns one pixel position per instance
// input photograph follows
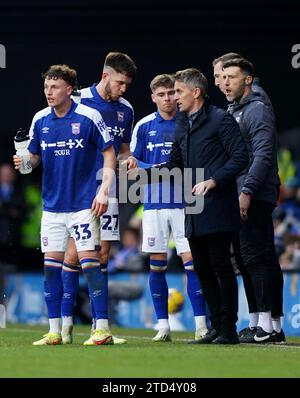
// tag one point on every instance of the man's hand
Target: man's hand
(34, 159)
(100, 202)
(17, 161)
(130, 163)
(244, 205)
(203, 187)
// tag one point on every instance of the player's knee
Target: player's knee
(71, 259)
(104, 254)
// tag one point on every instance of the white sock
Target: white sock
(253, 319)
(276, 322)
(94, 324)
(163, 324)
(265, 321)
(200, 322)
(67, 321)
(102, 324)
(55, 325)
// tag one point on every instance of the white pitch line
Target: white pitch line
(280, 346)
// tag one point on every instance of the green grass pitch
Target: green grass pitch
(141, 357)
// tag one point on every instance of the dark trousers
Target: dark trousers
(211, 256)
(260, 259)
(247, 281)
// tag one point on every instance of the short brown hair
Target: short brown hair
(242, 63)
(163, 80)
(61, 71)
(121, 63)
(226, 57)
(193, 78)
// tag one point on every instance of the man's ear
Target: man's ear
(70, 90)
(105, 75)
(197, 92)
(248, 80)
(153, 98)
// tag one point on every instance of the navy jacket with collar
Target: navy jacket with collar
(214, 142)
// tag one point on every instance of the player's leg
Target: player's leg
(53, 242)
(103, 258)
(155, 239)
(70, 278)
(105, 249)
(194, 290)
(109, 232)
(86, 236)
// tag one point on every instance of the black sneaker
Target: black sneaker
(247, 335)
(227, 338)
(262, 337)
(279, 337)
(210, 335)
(242, 332)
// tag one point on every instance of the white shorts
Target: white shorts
(56, 228)
(110, 221)
(157, 225)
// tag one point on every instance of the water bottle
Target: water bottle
(21, 143)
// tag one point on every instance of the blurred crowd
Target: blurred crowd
(21, 209)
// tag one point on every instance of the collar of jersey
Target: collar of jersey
(68, 115)
(97, 97)
(161, 119)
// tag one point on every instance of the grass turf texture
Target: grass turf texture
(141, 357)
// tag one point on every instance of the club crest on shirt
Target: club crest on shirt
(45, 240)
(120, 116)
(75, 128)
(151, 242)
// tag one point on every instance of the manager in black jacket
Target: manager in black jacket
(208, 137)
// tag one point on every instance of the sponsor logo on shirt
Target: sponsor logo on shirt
(165, 147)
(70, 144)
(115, 132)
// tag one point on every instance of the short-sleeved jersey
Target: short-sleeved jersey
(69, 147)
(117, 115)
(151, 143)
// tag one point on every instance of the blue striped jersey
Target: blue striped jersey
(69, 147)
(151, 143)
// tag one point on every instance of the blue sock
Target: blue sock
(194, 290)
(93, 309)
(53, 287)
(159, 288)
(70, 278)
(103, 268)
(97, 285)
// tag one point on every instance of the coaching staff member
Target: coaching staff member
(208, 137)
(258, 185)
